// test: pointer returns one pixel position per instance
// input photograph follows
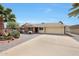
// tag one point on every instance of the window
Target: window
(40, 28)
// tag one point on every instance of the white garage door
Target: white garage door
(55, 30)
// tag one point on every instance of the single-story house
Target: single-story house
(54, 28)
(74, 29)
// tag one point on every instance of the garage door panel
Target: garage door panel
(55, 30)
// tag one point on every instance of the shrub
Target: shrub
(2, 38)
(8, 38)
(15, 33)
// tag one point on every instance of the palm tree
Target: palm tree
(9, 15)
(5, 16)
(12, 18)
(74, 10)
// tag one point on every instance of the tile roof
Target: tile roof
(74, 26)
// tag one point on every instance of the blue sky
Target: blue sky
(38, 13)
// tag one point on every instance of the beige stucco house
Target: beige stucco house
(54, 28)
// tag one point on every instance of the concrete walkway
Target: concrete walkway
(46, 45)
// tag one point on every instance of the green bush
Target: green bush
(15, 33)
(2, 38)
(8, 38)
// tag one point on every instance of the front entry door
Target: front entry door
(36, 30)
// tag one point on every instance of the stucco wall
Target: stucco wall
(75, 31)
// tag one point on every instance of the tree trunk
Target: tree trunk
(1, 26)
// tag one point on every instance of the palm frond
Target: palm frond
(8, 11)
(12, 16)
(11, 20)
(7, 14)
(74, 13)
(1, 7)
(75, 5)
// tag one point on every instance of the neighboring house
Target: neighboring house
(74, 29)
(54, 28)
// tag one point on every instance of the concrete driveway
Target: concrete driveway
(46, 45)
(24, 37)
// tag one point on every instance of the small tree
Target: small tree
(12, 25)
